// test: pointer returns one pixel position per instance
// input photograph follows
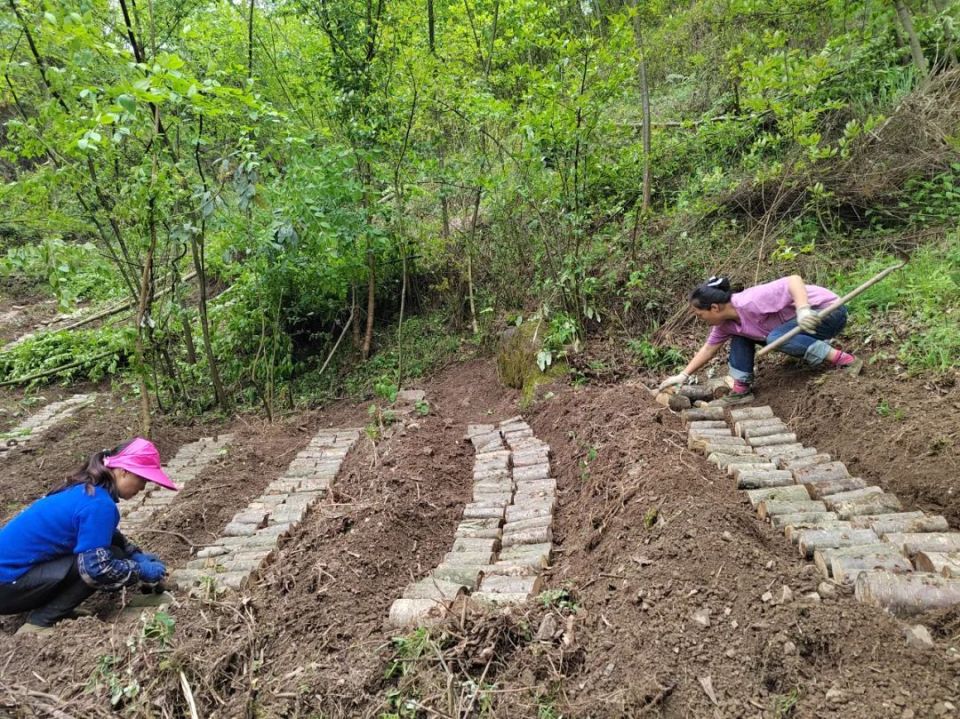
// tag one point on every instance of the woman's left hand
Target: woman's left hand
(141, 556)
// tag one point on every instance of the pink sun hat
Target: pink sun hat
(141, 458)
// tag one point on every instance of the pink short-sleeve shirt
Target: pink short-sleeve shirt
(764, 308)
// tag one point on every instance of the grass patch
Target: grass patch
(917, 308)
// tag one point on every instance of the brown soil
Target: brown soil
(647, 536)
(44, 462)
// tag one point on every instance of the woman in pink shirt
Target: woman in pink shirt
(758, 316)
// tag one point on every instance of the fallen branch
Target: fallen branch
(337, 344)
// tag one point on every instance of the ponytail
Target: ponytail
(94, 474)
(715, 291)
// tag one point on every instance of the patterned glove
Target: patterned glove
(140, 556)
(151, 571)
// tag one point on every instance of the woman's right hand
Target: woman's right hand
(672, 381)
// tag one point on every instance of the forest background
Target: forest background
(302, 198)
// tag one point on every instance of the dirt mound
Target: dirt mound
(666, 598)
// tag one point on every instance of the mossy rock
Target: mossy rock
(537, 378)
(517, 361)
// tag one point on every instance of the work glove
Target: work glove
(151, 571)
(808, 319)
(141, 556)
(676, 379)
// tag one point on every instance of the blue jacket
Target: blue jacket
(74, 521)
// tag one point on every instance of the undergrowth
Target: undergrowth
(82, 355)
(426, 344)
(916, 310)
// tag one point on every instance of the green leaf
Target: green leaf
(128, 103)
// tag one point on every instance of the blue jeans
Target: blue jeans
(812, 347)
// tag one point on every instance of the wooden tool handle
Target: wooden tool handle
(829, 308)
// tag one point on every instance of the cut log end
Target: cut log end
(942, 563)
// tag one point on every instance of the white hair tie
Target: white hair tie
(715, 281)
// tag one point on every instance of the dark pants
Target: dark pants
(814, 348)
(49, 591)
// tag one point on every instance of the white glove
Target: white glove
(674, 380)
(808, 319)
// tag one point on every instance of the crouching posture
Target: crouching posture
(758, 316)
(66, 545)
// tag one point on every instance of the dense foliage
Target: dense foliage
(336, 164)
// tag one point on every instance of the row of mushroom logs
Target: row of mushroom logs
(856, 533)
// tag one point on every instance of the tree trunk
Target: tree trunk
(782, 521)
(846, 569)
(183, 315)
(142, 319)
(813, 539)
(774, 426)
(906, 594)
(196, 249)
(645, 105)
(825, 488)
(775, 452)
(187, 335)
(821, 472)
(197, 245)
(904, 522)
(702, 413)
(845, 563)
(473, 236)
(865, 521)
(371, 302)
(914, 542)
(871, 504)
(919, 61)
(794, 493)
(800, 462)
(732, 464)
(794, 531)
(772, 508)
(751, 413)
(832, 500)
(754, 479)
(250, 42)
(355, 312)
(774, 440)
(696, 392)
(403, 302)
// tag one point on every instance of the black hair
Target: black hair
(94, 474)
(715, 291)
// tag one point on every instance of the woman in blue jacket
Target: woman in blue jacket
(66, 545)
